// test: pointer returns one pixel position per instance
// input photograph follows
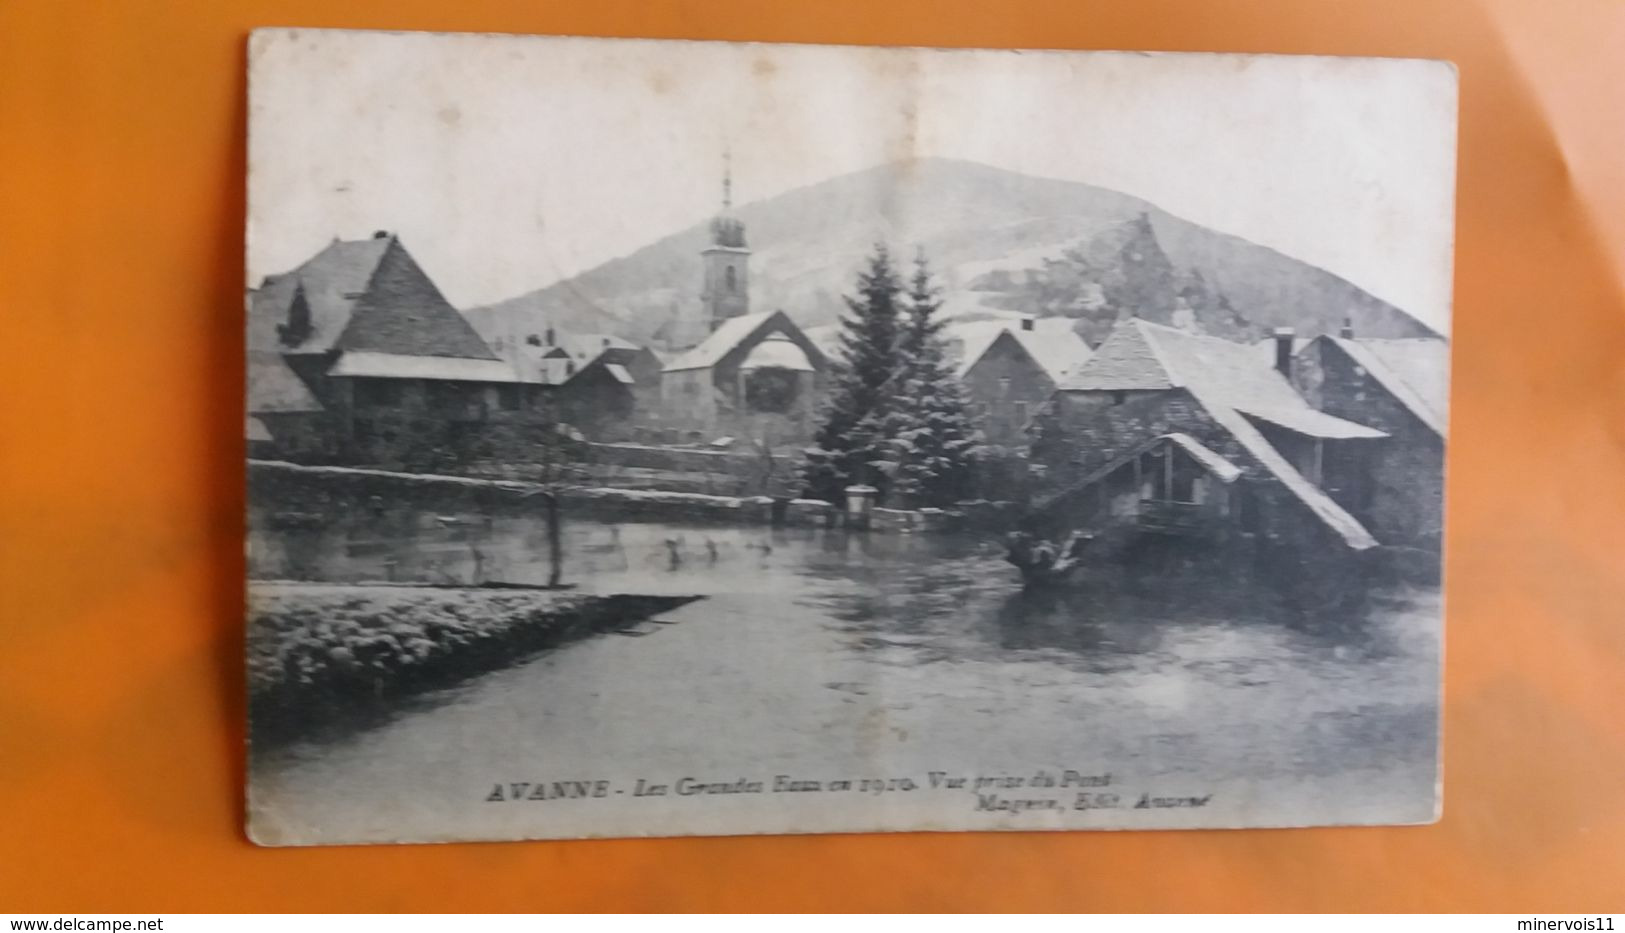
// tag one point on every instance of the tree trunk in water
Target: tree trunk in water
(555, 544)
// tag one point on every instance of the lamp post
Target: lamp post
(860, 503)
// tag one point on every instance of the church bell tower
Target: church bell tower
(726, 290)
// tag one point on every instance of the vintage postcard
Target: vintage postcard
(691, 438)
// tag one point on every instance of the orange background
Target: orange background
(121, 212)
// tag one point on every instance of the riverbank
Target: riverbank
(321, 652)
(293, 495)
(292, 492)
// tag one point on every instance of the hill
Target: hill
(1001, 241)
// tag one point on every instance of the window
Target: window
(1021, 412)
(298, 327)
(730, 279)
(1119, 397)
(1004, 387)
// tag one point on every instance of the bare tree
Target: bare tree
(553, 455)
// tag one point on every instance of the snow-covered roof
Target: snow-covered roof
(1416, 371)
(620, 373)
(1051, 342)
(1222, 469)
(777, 351)
(329, 283)
(1228, 379)
(1311, 423)
(585, 347)
(540, 365)
(366, 364)
(255, 430)
(364, 296)
(1214, 463)
(274, 387)
(729, 334)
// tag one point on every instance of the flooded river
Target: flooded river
(824, 656)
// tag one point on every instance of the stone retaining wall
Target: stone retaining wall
(292, 492)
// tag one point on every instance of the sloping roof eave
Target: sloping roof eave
(1394, 382)
(1330, 514)
(1215, 463)
(369, 364)
(1313, 423)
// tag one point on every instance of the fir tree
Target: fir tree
(851, 438)
(930, 441)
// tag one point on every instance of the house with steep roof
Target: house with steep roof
(755, 376)
(284, 418)
(1252, 457)
(1402, 387)
(1011, 367)
(605, 386)
(368, 333)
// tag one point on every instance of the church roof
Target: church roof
(777, 351)
(727, 230)
(729, 334)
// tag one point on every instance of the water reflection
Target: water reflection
(939, 596)
(809, 638)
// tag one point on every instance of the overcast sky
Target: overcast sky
(507, 163)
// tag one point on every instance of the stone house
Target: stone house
(368, 333)
(1172, 432)
(1401, 387)
(606, 387)
(284, 418)
(1010, 368)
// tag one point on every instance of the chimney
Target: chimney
(380, 234)
(550, 335)
(606, 343)
(1347, 330)
(1283, 350)
(1026, 323)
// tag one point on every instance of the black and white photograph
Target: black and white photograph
(663, 438)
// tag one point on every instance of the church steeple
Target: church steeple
(726, 289)
(726, 229)
(727, 179)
